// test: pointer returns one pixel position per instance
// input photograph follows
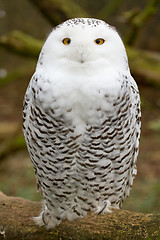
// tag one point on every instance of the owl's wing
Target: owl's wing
(127, 110)
(136, 127)
(27, 118)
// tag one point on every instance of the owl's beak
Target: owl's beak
(82, 58)
(80, 54)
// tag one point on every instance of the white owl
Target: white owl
(82, 121)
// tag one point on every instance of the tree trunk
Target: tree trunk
(16, 223)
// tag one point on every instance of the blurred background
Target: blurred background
(24, 25)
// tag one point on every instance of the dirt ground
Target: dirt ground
(16, 172)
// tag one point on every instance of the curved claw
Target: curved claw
(105, 205)
(43, 218)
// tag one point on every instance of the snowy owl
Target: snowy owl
(82, 121)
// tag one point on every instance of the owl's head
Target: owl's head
(84, 43)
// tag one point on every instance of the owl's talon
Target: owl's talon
(43, 216)
(105, 205)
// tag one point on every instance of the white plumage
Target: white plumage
(82, 121)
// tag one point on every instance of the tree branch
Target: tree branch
(57, 11)
(16, 223)
(21, 43)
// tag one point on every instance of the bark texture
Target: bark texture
(16, 223)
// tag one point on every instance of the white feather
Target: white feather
(81, 121)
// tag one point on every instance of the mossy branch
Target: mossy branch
(16, 223)
(21, 43)
(144, 64)
(56, 11)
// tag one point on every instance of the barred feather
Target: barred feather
(82, 134)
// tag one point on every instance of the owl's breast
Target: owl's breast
(79, 98)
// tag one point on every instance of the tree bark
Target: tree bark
(16, 223)
(144, 64)
(57, 11)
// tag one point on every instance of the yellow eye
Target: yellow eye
(99, 41)
(66, 41)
